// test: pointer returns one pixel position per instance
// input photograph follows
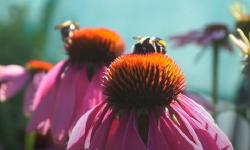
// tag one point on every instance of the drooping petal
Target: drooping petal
(48, 83)
(117, 133)
(182, 40)
(200, 100)
(209, 38)
(89, 93)
(12, 79)
(204, 126)
(30, 93)
(78, 136)
(43, 103)
(161, 135)
(64, 105)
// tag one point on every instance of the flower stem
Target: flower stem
(215, 77)
(30, 139)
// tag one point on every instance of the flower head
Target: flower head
(127, 120)
(148, 44)
(34, 66)
(210, 35)
(73, 86)
(244, 46)
(142, 82)
(13, 78)
(98, 45)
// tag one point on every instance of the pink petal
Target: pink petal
(123, 134)
(30, 93)
(166, 133)
(65, 104)
(126, 137)
(89, 92)
(43, 103)
(82, 128)
(200, 100)
(182, 40)
(48, 83)
(12, 79)
(207, 131)
(193, 108)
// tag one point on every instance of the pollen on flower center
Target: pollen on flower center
(143, 81)
(98, 45)
(38, 66)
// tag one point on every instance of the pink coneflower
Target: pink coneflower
(73, 86)
(151, 44)
(214, 34)
(146, 110)
(13, 78)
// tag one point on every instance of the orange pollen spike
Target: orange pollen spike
(143, 81)
(37, 66)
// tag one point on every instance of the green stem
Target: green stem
(29, 143)
(215, 77)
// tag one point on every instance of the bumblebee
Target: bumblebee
(147, 44)
(67, 28)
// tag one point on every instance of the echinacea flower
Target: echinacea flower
(151, 44)
(214, 34)
(145, 109)
(244, 46)
(73, 86)
(13, 78)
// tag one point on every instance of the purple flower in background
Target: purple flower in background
(215, 35)
(13, 78)
(146, 110)
(73, 86)
(211, 34)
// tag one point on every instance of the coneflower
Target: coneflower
(214, 35)
(73, 86)
(13, 78)
(145, 109)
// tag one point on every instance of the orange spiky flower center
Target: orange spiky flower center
(98, 45)
(38, 66)
(143, 81)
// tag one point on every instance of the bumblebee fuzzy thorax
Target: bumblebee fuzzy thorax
(67, 28)
(143, 81)
(146, 44)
